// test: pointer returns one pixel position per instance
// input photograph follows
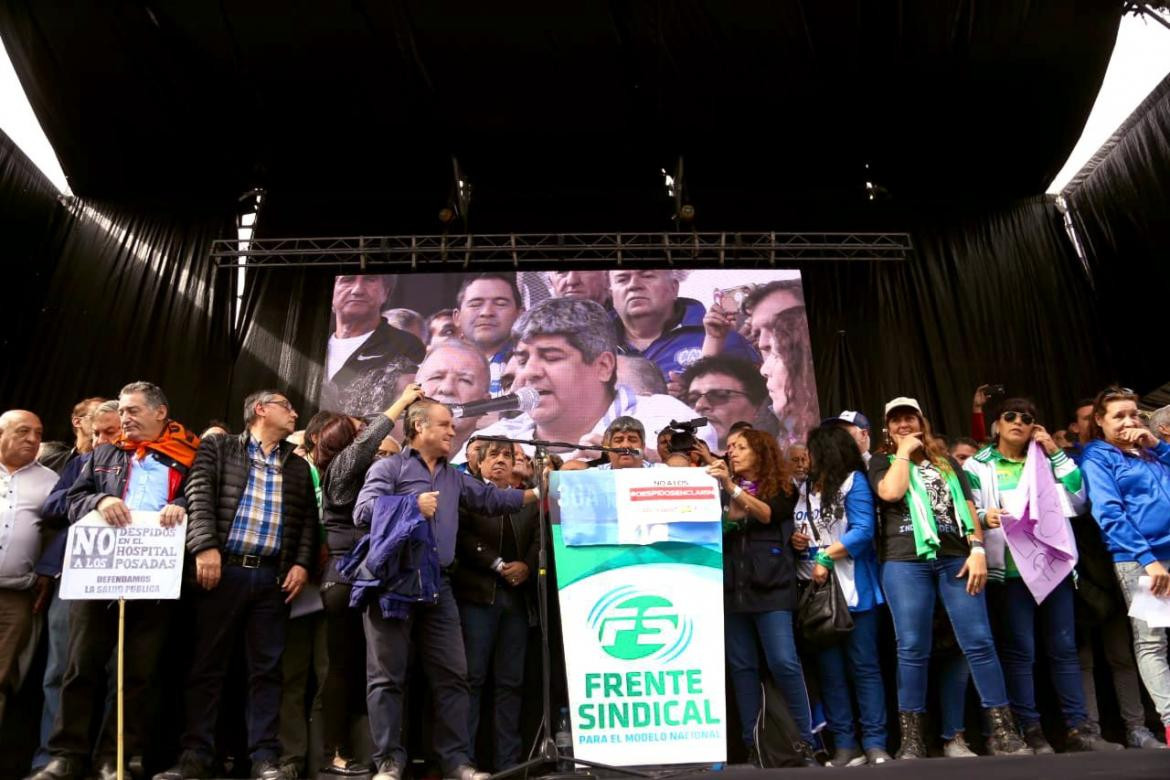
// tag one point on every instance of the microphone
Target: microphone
(525, 399)
(632, 451)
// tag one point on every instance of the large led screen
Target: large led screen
(659, 345)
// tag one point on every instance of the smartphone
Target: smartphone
(731, 300)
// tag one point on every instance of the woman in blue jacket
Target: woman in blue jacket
(835, 531)
(1127, 473)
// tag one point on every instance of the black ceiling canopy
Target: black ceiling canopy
(560, 106)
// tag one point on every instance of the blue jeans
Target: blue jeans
(1016, 612)
(911, 589)
(774, 630)
(854, 659)
(495, 637)
(57, 627)
(953, 676)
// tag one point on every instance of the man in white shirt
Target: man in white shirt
(566, 349)
(24, 486)
(363, 347)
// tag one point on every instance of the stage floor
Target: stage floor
(1123, 765)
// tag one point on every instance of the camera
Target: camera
(682, 434)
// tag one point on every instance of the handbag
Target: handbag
(822, 613)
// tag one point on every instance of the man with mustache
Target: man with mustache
(497, 556)
(566, 350)
(24, 486)
(487, 306)
(362, 344)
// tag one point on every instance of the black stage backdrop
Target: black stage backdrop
(1121, 209)
(101, 294)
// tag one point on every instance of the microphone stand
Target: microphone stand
(549, 755)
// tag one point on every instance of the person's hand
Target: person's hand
(515, 573)
(294, 582)
(1140, 437)
(981, 398)
(718, 469)
(800, 541)
(674, 384)
(208, 567)
(975, 570)
(994, 518)
(1159, 579)
(171, 516)
(820, 574)
(428, 504)
(908, 444)
(717, 323)
(410, 394)
(1044, 439)
(114, 511)
(703, 451)
(44, 592)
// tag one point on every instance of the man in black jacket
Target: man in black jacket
(496, 557)
(144, 470)
(252, 530)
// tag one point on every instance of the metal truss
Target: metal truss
(452, 252)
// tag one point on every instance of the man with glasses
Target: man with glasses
(726, 390)
(252, 533)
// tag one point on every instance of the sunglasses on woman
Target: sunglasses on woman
(1025, 418)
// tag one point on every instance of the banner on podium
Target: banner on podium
(140, 561)
(639, 572)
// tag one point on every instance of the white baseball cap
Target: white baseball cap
(903, 402)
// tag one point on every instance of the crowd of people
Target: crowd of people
(334, 560)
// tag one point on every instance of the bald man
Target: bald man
(24, 486)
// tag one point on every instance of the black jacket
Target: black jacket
(358, 387)
(216, 483)
(343, 480)
(477, 546)
(105, 474)
(759, 569)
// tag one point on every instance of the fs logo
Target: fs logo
(632, 625)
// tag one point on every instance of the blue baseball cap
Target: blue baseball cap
(849, 417)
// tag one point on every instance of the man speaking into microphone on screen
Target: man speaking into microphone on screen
(422, 472)
(566, 350)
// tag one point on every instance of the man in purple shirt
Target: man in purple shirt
(421, 469)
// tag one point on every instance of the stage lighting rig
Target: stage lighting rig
(684, 212)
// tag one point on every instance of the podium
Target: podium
(639, 577)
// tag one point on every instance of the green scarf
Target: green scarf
(926, 542)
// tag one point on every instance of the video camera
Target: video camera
(682, 434)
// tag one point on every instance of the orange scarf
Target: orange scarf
(176, 442)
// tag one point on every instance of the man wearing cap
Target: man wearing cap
(857, 425)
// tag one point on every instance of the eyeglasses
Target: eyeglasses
(1025, 418)
(280, 402)
(714, 397)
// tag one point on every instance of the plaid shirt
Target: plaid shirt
(256, 528)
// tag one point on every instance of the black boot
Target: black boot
(912, 746)
(1087, 737)
(1005, 738)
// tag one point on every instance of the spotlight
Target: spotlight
(686, 213)
(446, 215)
